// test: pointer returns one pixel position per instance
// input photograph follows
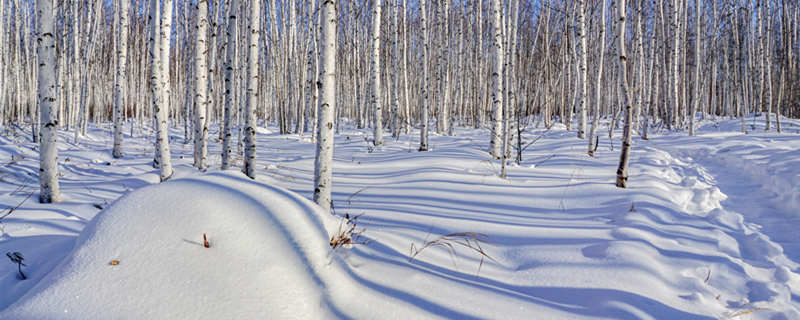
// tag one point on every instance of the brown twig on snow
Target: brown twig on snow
(10, 210)
(746, 311)
(470, 240)
(348, 232)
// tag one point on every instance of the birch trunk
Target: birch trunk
(598, 87)
(323, 168)
(376, 73)
(768, 61)
(213, 68)
(444, 84)
(162, 86)
(582, 62)
(622, 170)
(201, 97)
(4, 110)
(312, 67)
(697, 68)
(423, 139)
(510, 72)
(479, 107)
(230, 66)
(48, 146)
(121, 80)
(406, 105)
(672, 114)
(154, 20)
(495, 142)
(395, 75)
(252, 91)
(762, 90)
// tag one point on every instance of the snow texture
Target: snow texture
(704, 230)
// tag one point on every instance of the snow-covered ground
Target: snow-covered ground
(705, 230)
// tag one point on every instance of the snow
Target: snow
(704, 231)
(267, 244)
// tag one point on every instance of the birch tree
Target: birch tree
(120, 81)
(598, 87)
(201, 98)
(312, 71)
(495, 142)
(327, 87)
(230, 66)
(622, 170)
(672, 115)
(376, 72)
(423, 132)
(446, 69)
(406, 104)
(252, 91)
(161, 86)
(395, 73)
(767, 61)
(697, 68)
(582, 62)
(48, 146)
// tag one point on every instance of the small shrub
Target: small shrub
(348, 233)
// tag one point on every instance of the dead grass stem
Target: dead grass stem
(469, 240)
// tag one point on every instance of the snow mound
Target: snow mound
(267, 259)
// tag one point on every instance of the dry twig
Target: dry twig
(470, 240)
(348, 232)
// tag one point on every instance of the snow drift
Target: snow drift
(695, 236)
(268, 248)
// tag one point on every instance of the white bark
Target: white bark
(48, 154)
(510, 84)
(292, 79)
(598, 87)
(121, 80)
(213, 67)
(640, 74)
(423, 139)
(72, 85)
(697, 68)
(762, 90)
(154, 20)
(201, 98)
(376, 73)
(252, 91)
(61, 66)
(582, 62)
(479, 107)
(230, 65)
(768, 60)
(395, 74)
(442, 83)
(312, 69)
(495, 142)
(406, 105)
(622, 170)
(161, 84)
(323, 167)
(780, 100)
(4, 109)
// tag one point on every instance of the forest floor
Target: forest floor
(705, 230)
